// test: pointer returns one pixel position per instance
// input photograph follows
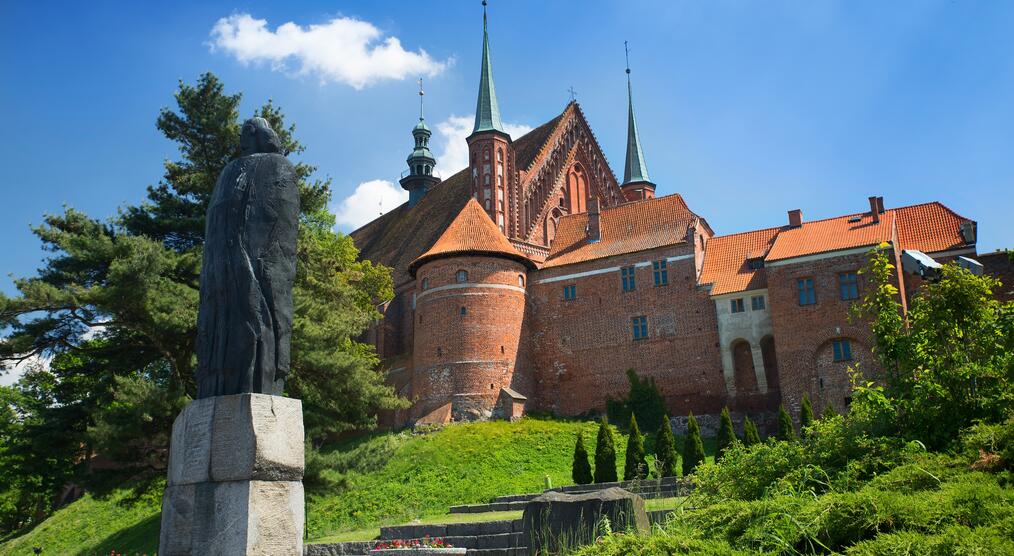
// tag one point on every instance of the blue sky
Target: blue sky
(748, 109)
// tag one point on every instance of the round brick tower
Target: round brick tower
(469, 310)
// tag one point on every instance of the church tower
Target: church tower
(490, 151)
(419, 179)
(636, 184)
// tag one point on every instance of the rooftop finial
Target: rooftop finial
(421, 93)
(626, 54)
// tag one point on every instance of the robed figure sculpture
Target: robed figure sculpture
(245, 321)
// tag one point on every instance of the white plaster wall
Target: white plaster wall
(749, 325)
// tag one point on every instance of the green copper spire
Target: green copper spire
(419, 178)
(487, 111)
(635, 169)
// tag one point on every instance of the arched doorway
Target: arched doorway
(767, 345)
(744, 376)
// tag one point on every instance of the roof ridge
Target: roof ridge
(769, 228)
(544, 147)
(942, 205)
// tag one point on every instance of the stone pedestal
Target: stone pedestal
(235, 478)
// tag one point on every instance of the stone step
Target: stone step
(515, 551)
(450, 529)
(666, 487)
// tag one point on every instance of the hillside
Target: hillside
(383, 478)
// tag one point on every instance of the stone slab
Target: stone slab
(237, 438)
(559, 521)
(236, 517)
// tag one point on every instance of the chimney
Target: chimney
(875, 208)
(880, 205)
(593, 220)
(795, 218)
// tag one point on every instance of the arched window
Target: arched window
(426, 169)
(462, 276)
(425, 284)
(521, 280)
(464, 311)
(418, 169)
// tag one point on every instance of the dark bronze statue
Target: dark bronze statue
(245, 322)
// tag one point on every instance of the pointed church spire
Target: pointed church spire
(419, 178)
(635, 171)
(487, 110)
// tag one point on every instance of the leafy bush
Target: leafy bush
(693, 446)
(667, 460)
(605, 455)
(786, 431)
(581, 471)
(750, 434)
(644, 401)
(984, 439)
(726, 435)
(636, 464)
(805, 414)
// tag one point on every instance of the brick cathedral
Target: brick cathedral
(533, 279)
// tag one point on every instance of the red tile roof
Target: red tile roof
(471, 233)
(832, 234)
(929, 227)
(725, 261)
(623, 229)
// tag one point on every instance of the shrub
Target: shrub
(785, 430)
(984, 439)
(581, 469)
(829, 412)
(726, 435)
(693, 446)
(636, 464)
(750, 434)
(667, 459)
(805, 415)
(644, 400)
(605, 455)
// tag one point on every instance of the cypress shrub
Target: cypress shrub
(693, 446)
(750, 434)
(726, 434)
(805, 415)
(605, 455)
(667, 460)
(829, 412)
(636, 465)
(785, 430)
(581, 470)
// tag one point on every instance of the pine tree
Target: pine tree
(750, 434)
(828, 413)
(667, 460)
(785, 430)
(693, 446)
(726, 434)
(581, 470)
(636, 466)
(605, 455)
(805, 415)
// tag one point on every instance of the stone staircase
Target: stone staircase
(495, 538)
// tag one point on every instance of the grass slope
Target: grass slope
(380, 479)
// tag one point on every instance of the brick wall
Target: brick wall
(582, 348)
(999, 266)
(803, 334)
(467, 358)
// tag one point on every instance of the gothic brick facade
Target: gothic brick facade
(533, 280)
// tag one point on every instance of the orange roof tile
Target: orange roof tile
(831, 234)
(623, 229)
(471, 233)
(725, 261)
(929, 227)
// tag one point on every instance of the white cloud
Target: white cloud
(344, 49)
(10, 375)
(369, 200)
(452, 133)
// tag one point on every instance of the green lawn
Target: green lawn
(380, 479)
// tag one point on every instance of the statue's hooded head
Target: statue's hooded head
(258, 137)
